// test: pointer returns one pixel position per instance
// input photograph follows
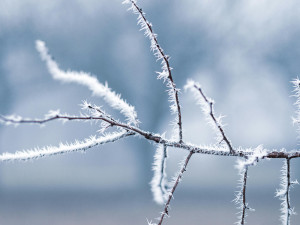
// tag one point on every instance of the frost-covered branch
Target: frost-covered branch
(19, 120)
(240, 199)
(252, 155)
(166, 73)
(296, 83)
(159, 182)
(64, 148)
(207, 107)
(258, 154)
(172, 190)
(86, 79)
(244, 196)
(284, 193)
(243, 166)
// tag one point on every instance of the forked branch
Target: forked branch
(90, 81)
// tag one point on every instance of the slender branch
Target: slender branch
(41, 121)
(287, 195)
(240, 200)
(101, 112)
(245, 176)
(64, 148)
(159, 53)
(163, 170)
(90, 81)
(183, 169)
(284, 193)
(158, 182)
(211, 113)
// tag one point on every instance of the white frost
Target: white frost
(159, 54)
(206, 105)
(257, 154)
(296, 120)
(158, 182)
(86, 79)
(283, 194)
(62, 148)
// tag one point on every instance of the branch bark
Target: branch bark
(183, 169)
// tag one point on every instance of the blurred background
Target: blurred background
(244, 54)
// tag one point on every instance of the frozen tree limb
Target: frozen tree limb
(243, 166)
(166, 73)
(159, 182)
(244, 204)
(207, 107)
(284, 193)
(86, 79)
(63, 148)
(172, 190)
(296, 83)
(240, 198)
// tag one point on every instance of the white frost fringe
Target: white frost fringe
(159, 178)
(239, 196)
(62, 148)
(258, 153)
(283, 194)
(296, 120)
(146, 26)
(86, 79)
(206, 108)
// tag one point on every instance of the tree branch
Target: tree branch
(90, 81)
(158, 182)
(209, 110)
(159, 53)
(64, 148)
(183, 169)
(159, 139)
(284, 193)
(244, 196)
(241, 195)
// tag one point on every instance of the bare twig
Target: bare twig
(183, 169)
(284, 193)
(158, 183)
(244, 196)
(287, 195)
(41, 121)
(159, 53)
(241, 197)
(212, 116)
(90, 81)
(64, 148)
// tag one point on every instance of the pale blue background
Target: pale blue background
(244, 53)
